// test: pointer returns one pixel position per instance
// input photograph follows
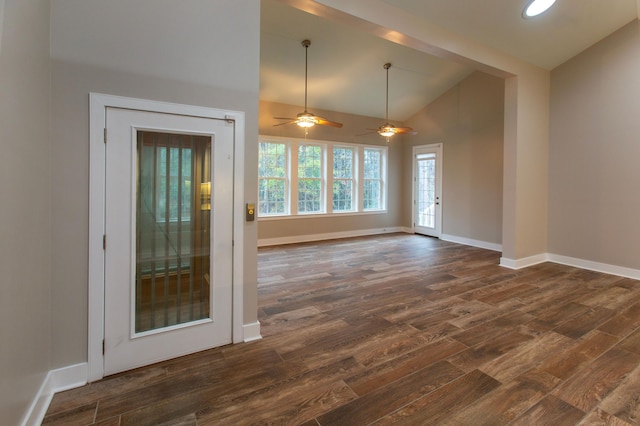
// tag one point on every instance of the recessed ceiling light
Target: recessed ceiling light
(536, 7)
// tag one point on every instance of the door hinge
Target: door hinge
(102, 346)
(105, 135)
(104, 242)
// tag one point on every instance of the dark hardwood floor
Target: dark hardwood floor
(399, 329)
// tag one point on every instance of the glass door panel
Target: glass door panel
(426, 181)
(173, 215)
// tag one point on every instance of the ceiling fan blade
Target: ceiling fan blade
(368, 133)
(291, 121)
(283, 118)
(406, 131)
(325, 122)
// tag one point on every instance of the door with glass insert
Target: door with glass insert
(427, 199)
(168, 262)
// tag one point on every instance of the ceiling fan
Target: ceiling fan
(306, 119)
(387, 130)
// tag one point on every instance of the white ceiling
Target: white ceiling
(346, 71)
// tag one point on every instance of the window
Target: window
(373, 183)
(272, 178)
(299, 177)
(309, 179)
(343, 179)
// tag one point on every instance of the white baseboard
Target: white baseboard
(523, 262)
(471, 242)
(605, 268)
(58, 380)
(251, 332)
(328, 236)
(74, 376)
(595, 266)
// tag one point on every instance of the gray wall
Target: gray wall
(25, 221)
(594, 172)
(192, 52)
(469, 122)
(352, 126)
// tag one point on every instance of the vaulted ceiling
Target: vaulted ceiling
(346, 71)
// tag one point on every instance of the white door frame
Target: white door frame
(438, 148)
(98, 105)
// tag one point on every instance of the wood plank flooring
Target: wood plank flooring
(398, 329)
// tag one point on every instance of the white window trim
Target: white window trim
(291, 208)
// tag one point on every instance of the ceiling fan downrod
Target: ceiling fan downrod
(306, 44)
(386, 114)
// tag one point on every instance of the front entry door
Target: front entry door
(427, 198)
(168, 236)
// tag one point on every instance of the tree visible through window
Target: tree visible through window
(343, 188)
(272, 178)
(309, 179)
(372, 179)
(301, 177)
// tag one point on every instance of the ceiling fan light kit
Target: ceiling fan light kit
(386, 131)
(305, 120)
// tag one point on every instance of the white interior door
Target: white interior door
(427, 190)
(168, 226)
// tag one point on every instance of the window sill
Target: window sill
(319, 215)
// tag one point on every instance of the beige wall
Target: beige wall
(526, 153)
(353, 125)
(594, 176)
(469, 121)
(25, 223)
(191, 52)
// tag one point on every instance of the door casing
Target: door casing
(98, 106)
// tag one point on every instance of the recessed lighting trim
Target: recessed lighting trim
(536, 7)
